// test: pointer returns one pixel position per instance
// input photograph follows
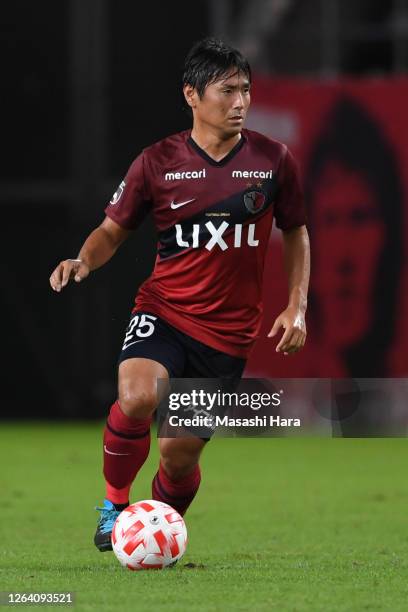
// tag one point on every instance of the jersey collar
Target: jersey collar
(222, 161)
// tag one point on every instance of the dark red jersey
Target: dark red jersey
(213, 221)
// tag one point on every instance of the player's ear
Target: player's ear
(190, 95)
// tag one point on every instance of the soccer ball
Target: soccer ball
(149, 535)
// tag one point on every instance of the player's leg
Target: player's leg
(126, 440)
(127, 431)
(178, 478)
(150, 351)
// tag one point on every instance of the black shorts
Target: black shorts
(151, 337)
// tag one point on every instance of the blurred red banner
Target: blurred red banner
(350, 138)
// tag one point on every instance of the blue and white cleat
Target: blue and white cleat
(108, 516)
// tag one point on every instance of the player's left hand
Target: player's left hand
(293, 322)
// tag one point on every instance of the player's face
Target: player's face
(348, 239)
(224, 104)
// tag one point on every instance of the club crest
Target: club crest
(254, 201)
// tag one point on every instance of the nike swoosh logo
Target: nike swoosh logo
(173, 205)
(125, 346)
(117, 454)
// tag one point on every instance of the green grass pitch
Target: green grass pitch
(279, 524)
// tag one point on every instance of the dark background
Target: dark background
(86, 85)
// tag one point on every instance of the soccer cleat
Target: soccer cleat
(108, 516)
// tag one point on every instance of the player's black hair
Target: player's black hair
(209, 60)
(355, 139)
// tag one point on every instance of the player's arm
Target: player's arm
(296, 249)
(97, 249)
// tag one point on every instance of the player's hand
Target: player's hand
(68, 269)
(293, 322)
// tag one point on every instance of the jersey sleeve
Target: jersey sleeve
(289, 207)
(131, 202)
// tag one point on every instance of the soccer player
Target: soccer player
(213, 191)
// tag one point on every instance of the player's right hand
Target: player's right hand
(66, 270)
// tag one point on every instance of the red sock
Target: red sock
(178, 495)
(126, 444)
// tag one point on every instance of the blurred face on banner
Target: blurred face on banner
(349, 236)
(224, 104)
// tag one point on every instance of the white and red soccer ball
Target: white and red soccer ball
(149, 535)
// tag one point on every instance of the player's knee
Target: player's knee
(177, 464)
(138, 404)
(177, 469)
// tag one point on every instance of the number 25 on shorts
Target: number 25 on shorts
(141, 326)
